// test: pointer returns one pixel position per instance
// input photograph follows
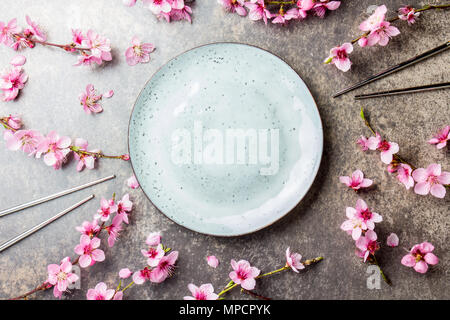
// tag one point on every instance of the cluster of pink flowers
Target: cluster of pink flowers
(160, 266)
(170, 10)
(90, 100)
(13, 80)
(430, 180)
(88, 250)
(280, 13)
(53, 148)
(93, 48)
(243, 274)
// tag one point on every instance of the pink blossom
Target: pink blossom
(382, 34)
(118, 295)
(21, 42)
(35, 30)
(356, 181)
(283, 17)
(408, 13)
(178, 14)
(244, 274)
(392, 240)
(374, 20)
(101, 292)
(234, 6)
(204, 292)
(132, 182)
(441, 138)
(90, 100)
(86, 60)
(339, 57)
(404, 175)
(124, 207)
(212, 261)
(26, 140)
(165, 268)
(106, 209)
(18, 61)
(293, 260)
(153, 239)
(55, 148)
(321, 7)
(138, 52)
(258, 10)
(431, 180)
(99, 45)
(129, 3)
(387, 149)
(153, 255)
(364, 143)
(7, 30)
(87, 249)
(305, 4)
(14, 122)
(84, 160)
(158, 6)
(77, 36)
(61, 275)
(113, 230)
(367, 244)
(89, 228)
(420, 257)
(11, 82)
(125, 273)
(360, 218)
(140, 276)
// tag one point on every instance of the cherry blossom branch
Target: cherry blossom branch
(53, 148)
(168, 10)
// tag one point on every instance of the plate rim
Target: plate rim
(315, 171)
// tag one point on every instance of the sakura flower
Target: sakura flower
(204, 292)
(258, 10)
(293, 260)
(364, 143)
(359, 219)
(86, 60)
(234, 6)
(153, 255)
(106, 209)
(100, 292)
(212, 261)
(129, 3)
(84, 160)
(99, 45)
(420, 257)
(178, 14)
(374, 20)
(125, 273)
(113, 230)
(404, 175)
(392, 240)
(7, 30)
(61, 275)
(14, 122)
(382, 34)
(321, 7)
(88, 251)
(89, 228)
(387, 149)
(124, 207)
(165, 268)
(356, 181)
(77, 36)
(140, 276)
(26, 140)
(138, 52)
(153, 239)
(283, 17)
(441, 138)
(367, 244)
(305, 4)
(132, 182)
(408, 13)
(431, 180)
(55, 148)
(90, 100)
(244, 274)
(35, 30)
(339, 57)
(11, 82)
(158, 6)
(18, 61)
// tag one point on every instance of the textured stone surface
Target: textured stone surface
(49, 101)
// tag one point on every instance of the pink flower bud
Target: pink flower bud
(125, 157)
(363, 42)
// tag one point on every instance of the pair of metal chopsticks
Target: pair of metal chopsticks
(41, 225)
(396, 68)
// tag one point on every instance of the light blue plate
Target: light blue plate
(205, 133)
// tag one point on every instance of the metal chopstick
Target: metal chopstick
(396, 68)
(53, 196)
(428, 87)
(25, 234)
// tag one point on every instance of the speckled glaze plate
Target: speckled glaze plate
(225, 139)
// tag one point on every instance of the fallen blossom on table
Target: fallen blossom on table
(204, 292)
(392, 240)
(431, 180)
(420, 257)
(138, 52)
(212, 261)
(132, 182)
(11, 82)
(356, 181)
(441, 138)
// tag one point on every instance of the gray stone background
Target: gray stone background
(49, 101)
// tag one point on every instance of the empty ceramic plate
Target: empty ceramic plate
(225, 139)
